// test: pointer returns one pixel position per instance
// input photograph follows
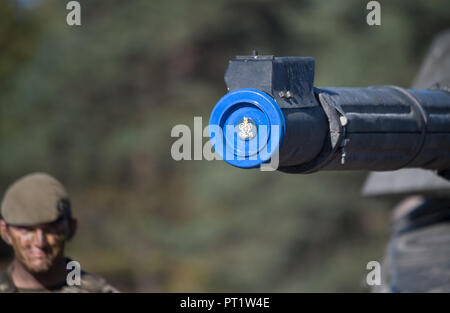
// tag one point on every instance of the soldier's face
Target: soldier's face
(38, 247)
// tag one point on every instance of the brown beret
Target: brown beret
(34, 199)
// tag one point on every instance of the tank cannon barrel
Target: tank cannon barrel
(273, 110)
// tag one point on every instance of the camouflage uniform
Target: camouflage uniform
(90, 283)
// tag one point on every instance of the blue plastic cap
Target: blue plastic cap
(246, 128)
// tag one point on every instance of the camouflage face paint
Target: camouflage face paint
(38, 247)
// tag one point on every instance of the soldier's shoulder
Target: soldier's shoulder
(94, 283)
(5, 283)
(89, 283)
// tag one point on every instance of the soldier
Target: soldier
(37, 222)
(418, 255)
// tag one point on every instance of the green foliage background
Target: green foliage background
(94, 105)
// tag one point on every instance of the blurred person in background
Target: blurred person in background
(418, 254)
(37, 222)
